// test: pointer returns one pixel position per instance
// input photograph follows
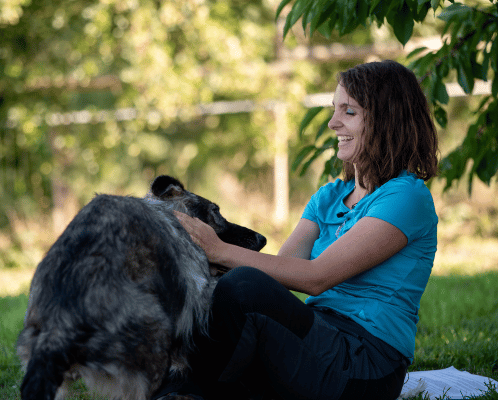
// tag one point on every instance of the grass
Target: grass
(458, 327)
(11, 318)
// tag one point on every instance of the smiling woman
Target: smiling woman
(363, 252)
(399, 133)
(349, 123)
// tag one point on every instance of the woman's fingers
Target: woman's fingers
(187, 223)
(201, 233)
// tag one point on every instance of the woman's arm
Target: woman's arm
(369, 242)
(301, 241)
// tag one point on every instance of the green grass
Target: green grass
(458, 327)
(11, 318)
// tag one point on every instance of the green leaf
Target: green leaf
(481, 104)
(494, 57)
(421, 14)
(307, 164)
(294, 14)
(327, 12)
(452, 167)
(327, 27)
(330, 143)
(416, 51)
(281, 6)
(373, 5)
(494, 86)
(488, 166)
(464, 75)
(312, 113)
(317, 16)
(299, 8)
(455, 11)
(421, 4)
(478, 71)
(287, 25)
(421, 64)
(302, 155)
(440, 93)
(443, 69)
(383, 8)
(440, 115)
(402, 23)
(306, 12)
(362, 11)
(323, 128)
(332, 168)
(348, 21)
(485, 64)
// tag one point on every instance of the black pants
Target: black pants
(264, 342)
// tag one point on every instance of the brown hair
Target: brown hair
(399, 132)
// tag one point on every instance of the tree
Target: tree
(469, 53)
(62, 62)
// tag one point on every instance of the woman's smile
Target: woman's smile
(344, 139)
(348, 123)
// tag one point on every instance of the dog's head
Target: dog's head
(170, 190)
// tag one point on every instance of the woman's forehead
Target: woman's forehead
(342, 97)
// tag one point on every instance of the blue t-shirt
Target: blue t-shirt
(385, 299)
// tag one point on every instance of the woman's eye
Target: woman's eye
(350, 111)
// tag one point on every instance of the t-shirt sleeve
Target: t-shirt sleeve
(310, 211)
(410, 208)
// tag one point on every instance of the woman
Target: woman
(363, 250)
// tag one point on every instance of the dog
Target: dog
(117, 297)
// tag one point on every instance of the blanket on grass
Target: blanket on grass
(456, 384)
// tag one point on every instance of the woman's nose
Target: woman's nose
(333, 123)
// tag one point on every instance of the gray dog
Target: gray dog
(116, 298)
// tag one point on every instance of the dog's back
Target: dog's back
(116, 298)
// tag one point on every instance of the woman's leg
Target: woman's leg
(245, 301)
(241, 294)
(261, 334)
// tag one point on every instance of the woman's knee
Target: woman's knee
(241, 285)
(246, 290)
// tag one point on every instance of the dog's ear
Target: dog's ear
(165, 186)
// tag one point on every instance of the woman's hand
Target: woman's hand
(202, 235)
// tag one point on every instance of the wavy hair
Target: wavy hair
(399, 132)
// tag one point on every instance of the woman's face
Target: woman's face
(347, 122)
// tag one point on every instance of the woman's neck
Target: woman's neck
(359, 191)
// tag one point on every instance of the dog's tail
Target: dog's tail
(45, 371)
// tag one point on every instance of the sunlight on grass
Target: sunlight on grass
(15, 281)
(467, 256)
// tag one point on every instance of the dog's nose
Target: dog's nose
(261, 241)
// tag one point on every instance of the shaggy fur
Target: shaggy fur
(116, 298)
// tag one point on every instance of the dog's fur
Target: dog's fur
(116, 298)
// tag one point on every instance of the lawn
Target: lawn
(458, 327)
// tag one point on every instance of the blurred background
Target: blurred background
(101, 96)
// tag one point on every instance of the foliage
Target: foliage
(106, 91)
(469, 53)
